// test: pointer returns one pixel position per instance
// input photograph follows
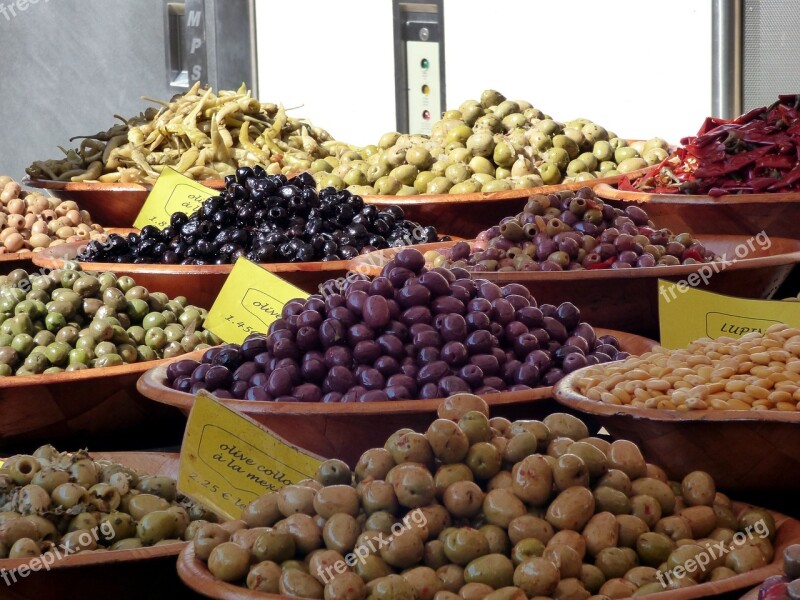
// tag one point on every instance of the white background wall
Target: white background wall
(638, 67)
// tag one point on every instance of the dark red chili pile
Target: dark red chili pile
(755, 153)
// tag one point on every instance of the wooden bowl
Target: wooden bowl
(777, 214)
(466, 215)
(345, 430)
(43, 408)
(745, 451)
(627, 299)
(196, 575)
(200, 284)
(111, 204)
(121, 574)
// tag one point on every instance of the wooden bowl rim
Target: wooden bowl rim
(48, 258)
(151, 384)
(373, 261)
(14, 381)
(608, 192)
(565, 392)
(99, 186)
(194, 574)
(109, 557)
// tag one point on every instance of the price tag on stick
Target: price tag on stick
(172, 193)
(250, 300)
(228, 460)
(686, 314)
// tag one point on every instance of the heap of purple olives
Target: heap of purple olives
(569, 231)
(267, 219)
(411, 333)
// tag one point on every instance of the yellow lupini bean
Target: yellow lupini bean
(755, 372)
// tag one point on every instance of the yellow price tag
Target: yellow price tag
(686, 314)
(172, 193)
(249, 301)
(228, 460)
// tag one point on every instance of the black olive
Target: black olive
(229, 180)
(133, 239)
(243, 174)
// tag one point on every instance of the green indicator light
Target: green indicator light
(424, 63)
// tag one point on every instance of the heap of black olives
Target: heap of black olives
(568, 231)
(410, 333)
(266, 218)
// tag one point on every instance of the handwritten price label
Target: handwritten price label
(229, 460)
(251, 299)
(686, 314)
(172, 193)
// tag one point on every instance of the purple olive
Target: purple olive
(199, 374)
(552, 377)
(495, 382)
(398, 392)
(410, 369)
(509, 368)
(307, 392)
(410, 258)
(459, 293)
(339, 379)
(429, 391)
(223, 395)
(285, 348)
(259, 380)
(416, 314)
(452, 385)
(606, 349)
(399, 275)
(577, 342)
(530, 316)
(307, 318)
(245, 371)
(622, 355)
(397, 329)
(257, 393)
(479, 341)
(454, 354)
(280, 383)
(637, 215)
(628, 256)
(502, 311)
(555, 329)
(332, 332)
(182, 384)
(477, 320)
(541, 359)
(314, 370)
(376, 312)
(391, 345)
(423, 339)
(472, 374)
(333, 301)
(513, 330)
(436, 283)
(610, 340)
(338, 356)
(381, 286)
(433, 372)
(209, 355)
(448, 304)
(466, 283)
(525, 344)
(516, 289)
(253, 346)
(366, 352)
(489, 290)
(307, 339)
(585, 331)
(332, 397)
(387, 366)
(374, 396)
(527, 374)
(342, 314)
(488, 363)
(359, 332)
(372, 379)
(181, 368)
(229, 356)
(427, 355)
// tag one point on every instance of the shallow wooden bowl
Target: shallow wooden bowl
(43, 408)
(745, 451)
(345, 430)
(110, 204)
(123, 574)
(627, 299)
(777, 214)
(466, 215)
(200, 284)
(196, 575)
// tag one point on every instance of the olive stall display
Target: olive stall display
(568, 231)
(411, 333)
(31, 221)
(70, 320)
(487, 509)
(267, 219)
(489, 145)
(199, 133)
(73, 502)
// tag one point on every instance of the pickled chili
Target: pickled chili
(755, 153)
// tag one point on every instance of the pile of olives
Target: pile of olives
(266, 218)
(489, 145)
(568, 231)
(75, 503)
(69, 320)
(31, 221)
(786, 586)
(529, 509)
(410, 333)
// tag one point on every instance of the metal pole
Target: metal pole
(726, 58)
